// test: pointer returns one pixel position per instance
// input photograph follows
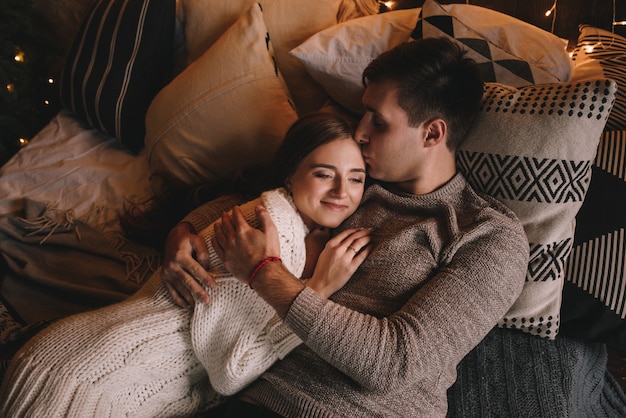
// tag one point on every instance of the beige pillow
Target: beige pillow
(227, 111)
(337, 56)
(289, 23)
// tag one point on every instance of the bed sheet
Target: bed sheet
(71, 167)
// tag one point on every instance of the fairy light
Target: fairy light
(552, 12)
(616, 22)
(19, 55)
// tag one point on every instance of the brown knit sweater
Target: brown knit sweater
(445, 268)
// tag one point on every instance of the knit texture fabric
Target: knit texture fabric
(514, 374)
(133, 358)
(146, 357)
(234, 358)
(444, 268)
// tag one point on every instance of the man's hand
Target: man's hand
(185, 265)
(242, 247)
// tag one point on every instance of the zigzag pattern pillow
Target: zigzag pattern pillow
(594, 299)
(496, 63)
(532, 148)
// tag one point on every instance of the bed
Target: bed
(170, 95)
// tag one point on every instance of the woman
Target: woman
(147, 357)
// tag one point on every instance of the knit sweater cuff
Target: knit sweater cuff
(205, 215)
(282, 337)
(304, 311)
(196, 220)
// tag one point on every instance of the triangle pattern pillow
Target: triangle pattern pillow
(497, 63)
(594, 298)
(532, 148)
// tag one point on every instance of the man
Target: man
(445, 263)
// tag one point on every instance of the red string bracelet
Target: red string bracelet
(258, 267)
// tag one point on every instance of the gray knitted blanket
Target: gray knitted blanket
(513, 374)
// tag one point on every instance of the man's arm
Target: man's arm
(242, 248)
(185, 258)
(185, 265)
(452, 312)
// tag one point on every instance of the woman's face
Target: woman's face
(328, 184)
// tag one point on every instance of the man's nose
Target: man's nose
(360, 133)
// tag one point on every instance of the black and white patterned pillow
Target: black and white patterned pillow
(119, 60)
(602, 53)
(532, 148)
(496, 63)
(594, 294)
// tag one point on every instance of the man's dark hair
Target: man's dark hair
(435, 78)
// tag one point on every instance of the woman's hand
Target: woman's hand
(185, 265)
(341, 256)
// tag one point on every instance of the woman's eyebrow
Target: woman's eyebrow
(332, 167)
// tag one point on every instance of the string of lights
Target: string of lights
(616, 22)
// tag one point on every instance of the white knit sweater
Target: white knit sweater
(238, 335)
(144, 357)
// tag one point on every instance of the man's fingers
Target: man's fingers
(181, 298)
(265, 219)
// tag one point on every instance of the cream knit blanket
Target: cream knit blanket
(136, 358)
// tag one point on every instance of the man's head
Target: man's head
(434, 79)
(420, 98)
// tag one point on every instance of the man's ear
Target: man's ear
(436, 131)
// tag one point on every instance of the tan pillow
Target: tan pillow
(289, 23)
(337, 56)
(227, 111)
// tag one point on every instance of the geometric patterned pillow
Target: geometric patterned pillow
(119, 60)
(532, 148)
(600, 53)
(497, 62)
(594, 299)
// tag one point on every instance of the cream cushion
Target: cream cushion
(336, 57)
(289, 23)
(227, 111)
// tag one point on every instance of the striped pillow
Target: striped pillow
(600, 53)
(594, 297)
(119, 60)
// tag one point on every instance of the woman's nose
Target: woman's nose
(340, 188)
